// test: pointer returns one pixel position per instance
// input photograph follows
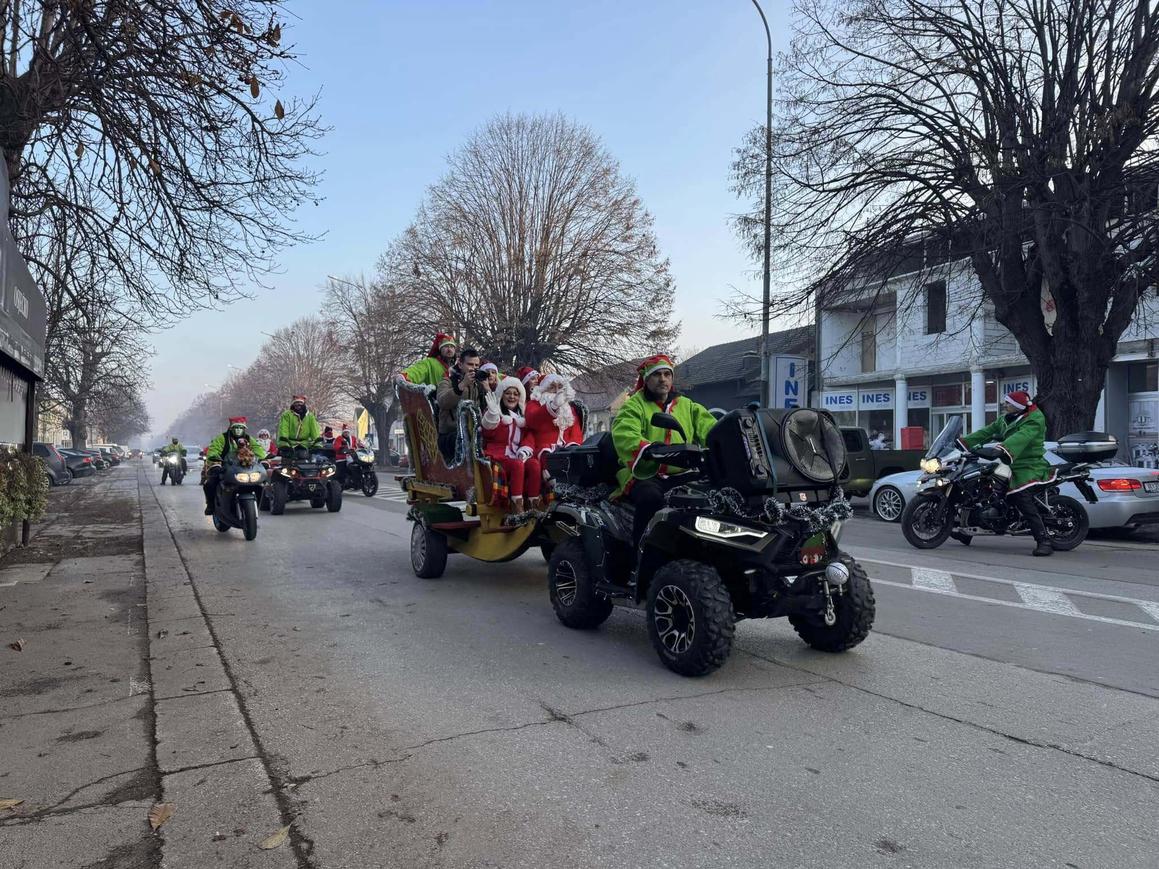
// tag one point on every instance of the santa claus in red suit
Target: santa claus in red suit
(551, 416)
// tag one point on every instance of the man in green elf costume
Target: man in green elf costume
(298, 429)
(435, 367)
(642, 481)
(222, 448)
(1021, 436)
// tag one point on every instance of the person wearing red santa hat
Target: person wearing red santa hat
(1021, 444)
(436, 365)
(508, 441)
(528, 376)
(551, 417)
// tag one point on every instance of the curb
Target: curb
(212, 767)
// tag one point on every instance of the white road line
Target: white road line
(934, 580)
(1011, 582)
(1021, 606)
(1039, 598)
(1151, 608)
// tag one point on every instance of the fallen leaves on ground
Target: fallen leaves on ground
(18, 646)
(9, 804)
(277, 839)
(159, 814)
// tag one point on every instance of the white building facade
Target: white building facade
(903, 370)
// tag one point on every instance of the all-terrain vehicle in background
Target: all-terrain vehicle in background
(296, 475)
(753, 533)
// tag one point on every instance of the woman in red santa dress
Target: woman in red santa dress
(551, 417)
(508, 441)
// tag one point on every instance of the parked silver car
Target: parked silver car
(1128, 496)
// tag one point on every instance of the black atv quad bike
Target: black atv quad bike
(752, 533)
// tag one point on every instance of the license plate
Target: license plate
(1151, 487)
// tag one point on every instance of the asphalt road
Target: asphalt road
(1002, 714)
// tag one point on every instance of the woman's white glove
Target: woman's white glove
(492, 414)
(525, 453)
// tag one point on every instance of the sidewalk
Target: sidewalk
(118, 700)
(76, 716)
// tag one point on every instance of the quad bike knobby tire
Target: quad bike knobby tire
(279, 498)
(569, 585)
(334, 496)
(854, 608)
(428, 552)
(690, 618)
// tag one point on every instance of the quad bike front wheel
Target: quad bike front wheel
(853, 611)
(279, 497)
(428, 552)
(569, 585)
(334, 496)
(690, 618)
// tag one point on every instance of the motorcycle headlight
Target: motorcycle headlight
(727, 530)
(930, 466)
(248, 476)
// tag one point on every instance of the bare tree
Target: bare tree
(1016, 135)
(120, 415)
(534, 246)
(380, 329)
(155, 133)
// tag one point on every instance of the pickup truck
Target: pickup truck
(865, 466)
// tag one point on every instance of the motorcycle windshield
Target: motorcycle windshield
(947, 440)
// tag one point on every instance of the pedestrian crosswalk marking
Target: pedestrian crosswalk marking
(935, 580)
(1041, 598)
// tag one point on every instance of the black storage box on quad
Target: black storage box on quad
(1087, 446)
(588, 464)
(762, 452)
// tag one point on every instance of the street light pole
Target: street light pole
(765, 299)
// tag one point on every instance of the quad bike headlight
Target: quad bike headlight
(328, 472)
(727, 530)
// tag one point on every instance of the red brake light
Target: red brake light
(1120, 484)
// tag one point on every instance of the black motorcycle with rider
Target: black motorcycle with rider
(996, 481)
(234, 478)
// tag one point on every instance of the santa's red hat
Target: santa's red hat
(300, 398)
(489, 366)
(1020, 400)
(442, 339)
(238, 420)
(659, 362)
(527, 375)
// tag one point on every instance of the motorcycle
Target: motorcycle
(299, 476)
(752, 532)
(173, 468)
(237, 496)
(963, 494)
(360, 474)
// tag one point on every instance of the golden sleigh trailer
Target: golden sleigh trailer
(457, 505)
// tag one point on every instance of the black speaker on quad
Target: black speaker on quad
(766, 451)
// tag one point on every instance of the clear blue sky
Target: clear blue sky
(671, 86)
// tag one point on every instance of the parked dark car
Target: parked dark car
(100, 462)
(54, 464)
(866, 465)
(109, 455)
(80, 463)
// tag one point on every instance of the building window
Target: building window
(869, 345)
(949, 395)
(936, 308)
(1143, 377)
